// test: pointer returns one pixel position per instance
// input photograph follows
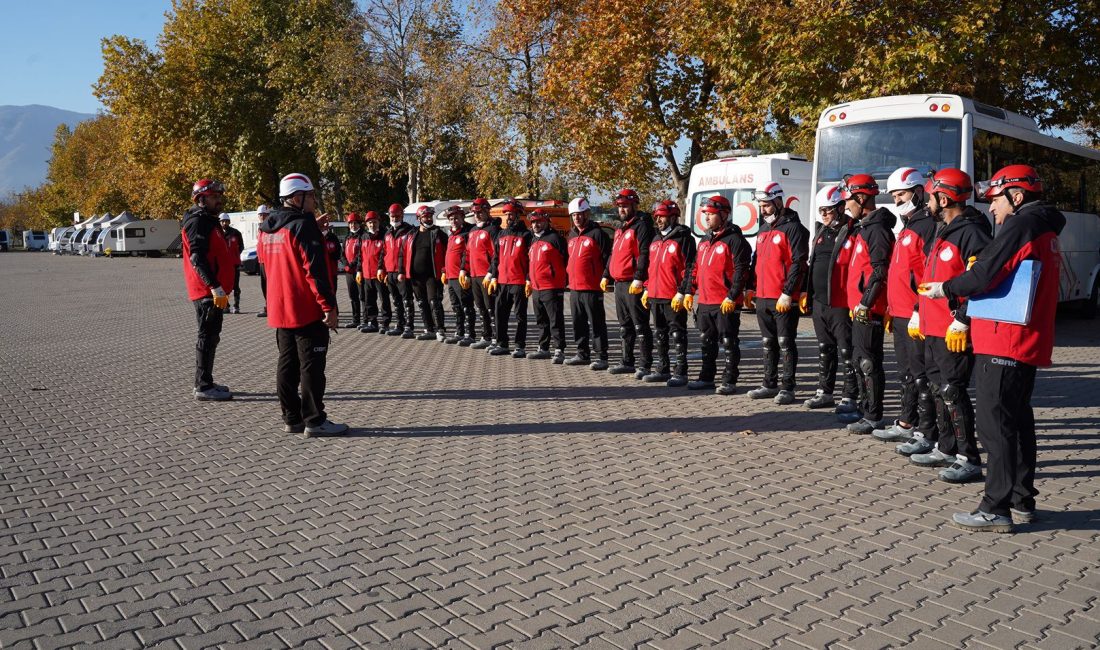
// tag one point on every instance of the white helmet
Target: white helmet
(771, 192)
(579, 204)
(292, 183)
(263, 209)
(904, 178)
(828, 197)
(223, 216)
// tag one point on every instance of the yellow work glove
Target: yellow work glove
(677, 302)
(914, 327)
(463, 280)
(958, 337)
(645, 299)
(358, 277)
(931, 290)
(689, 302)
(728, 306)
(443, 277)
(783, 305)
(636, 288)
(486, 280)
(750, 299)
(527, 289)
(380, 276)
(861, 314)
(603, 284)
(970, 261)
(492, 287)
(888, 323)
(221, 301)
(804, 303)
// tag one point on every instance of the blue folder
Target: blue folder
(1012, 299)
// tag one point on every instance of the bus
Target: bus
(932, 132)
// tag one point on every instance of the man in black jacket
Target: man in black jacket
(235, 240)
(351, 268)
(671, 265)
(422, 261)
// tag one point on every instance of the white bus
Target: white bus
(876, 136)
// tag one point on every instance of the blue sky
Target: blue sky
(52, 46)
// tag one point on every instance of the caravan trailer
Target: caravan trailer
(5, 240)
(64, 236)
(147, 237)
(55, 237)
(107, 244)
(34, 240)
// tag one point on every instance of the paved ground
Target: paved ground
(486, 501)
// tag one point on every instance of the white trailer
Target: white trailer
(107, 243)
(148, 237)
(35, 240)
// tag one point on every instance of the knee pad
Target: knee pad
(951, 393)
(907, 378)
(867, 366)
(625, 332)
(845, 354)
(729, 342)
(922, 384)
(679, 336)
(786, 342)
(708, 339)
(826, 351)
(770, 343)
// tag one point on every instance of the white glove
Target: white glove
(783, 305)
(217, 292)
(932, 290)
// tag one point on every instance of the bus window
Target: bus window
(878, 148)
(1070, 181)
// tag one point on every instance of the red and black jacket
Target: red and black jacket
(438, 246)
(372, 253)
(235, 240)
(954, 244)
(828, 266)
(207, 262)
(630, 250)
(907, 263)
(589, 250)
(872, 243)
(548, 260)
(457, 243)
(1029, 234)
(671, 263)
(352, 244)
(510, 255)
(393, 243)
(779, 262)
(299, 269)
(479, 250)
(723, 267)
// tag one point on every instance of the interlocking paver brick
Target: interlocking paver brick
(484, 501)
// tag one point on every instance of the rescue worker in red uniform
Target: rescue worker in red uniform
(628, 268)
(334, 250)
(782, 248)
(589, 251)
(208, 271)
(457, 278)
(301, 306)
(479, 257)
(261, 214)
(826, 299)
(400, 291)
(352, 265)
(671, 265)
(372, 248)
(1007, 353)
(508, 275)
(235, 240)
(915, 427)
(546, 286)
(422, 263)
(723, 267)
(868, 268)
(944, 326)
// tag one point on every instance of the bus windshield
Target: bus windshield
(878, 148)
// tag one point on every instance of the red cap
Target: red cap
(371, 216)
(396, 206)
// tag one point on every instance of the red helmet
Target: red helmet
(626, 196)
(1024, 177)
(512, 206)
(667, 208)
(371, 216)
(538, 214)
(425, 211)
(454, 212)
(396, 208)
(859, 184)
(716, 203)
(353, 218)
(954, 183)
(480, 202)
(206, 187)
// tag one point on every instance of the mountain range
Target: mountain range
(26, 133)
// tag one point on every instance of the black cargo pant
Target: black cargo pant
(210, 332)
(777, 333)
(948, 379)
(374, 292)
(867, 341)
(918, 406)
(1006, 427)
(462, 304)
(633, 323)
(303, 352)
(355, 296)
(511, 298)
(550, 317)
(486, 305)
(402, 299)
(669, 331)
(589, 323)
(263, 284)
(714, 328)
(834, 349)
(429, 296)
(237, 288)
